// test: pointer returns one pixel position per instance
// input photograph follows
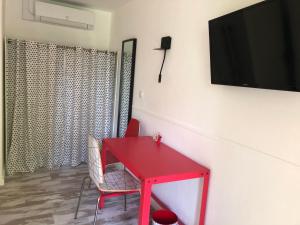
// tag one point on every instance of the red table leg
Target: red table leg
(204, 199)
(145, 202)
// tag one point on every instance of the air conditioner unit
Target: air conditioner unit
(49, 12)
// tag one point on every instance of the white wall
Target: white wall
(1, 95)
(15, 27)
(249, 138)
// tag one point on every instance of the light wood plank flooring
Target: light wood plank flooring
(50, 197)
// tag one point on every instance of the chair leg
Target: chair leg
(96, 210)
(125, 202)
(90, 183)
(102, 201)
(79, 199)
(125, 196)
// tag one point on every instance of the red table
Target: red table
(155, 164)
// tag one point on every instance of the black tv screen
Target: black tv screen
(258, 46)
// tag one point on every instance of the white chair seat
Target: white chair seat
(119, 181)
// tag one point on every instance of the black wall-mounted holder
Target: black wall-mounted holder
(164, 46)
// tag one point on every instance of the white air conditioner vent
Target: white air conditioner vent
(49, 12)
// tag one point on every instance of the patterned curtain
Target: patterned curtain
(125, 84)
(55, 97)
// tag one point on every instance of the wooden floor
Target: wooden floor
(47, 197)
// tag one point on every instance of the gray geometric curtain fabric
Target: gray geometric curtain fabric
(55, 97)
(125, 84)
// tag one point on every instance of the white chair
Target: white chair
(115, 183)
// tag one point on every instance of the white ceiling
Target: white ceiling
(107, 5)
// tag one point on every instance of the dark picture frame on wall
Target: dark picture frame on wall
(127, 73)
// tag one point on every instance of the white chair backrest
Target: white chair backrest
(95, 164)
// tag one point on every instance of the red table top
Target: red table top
(148, 160)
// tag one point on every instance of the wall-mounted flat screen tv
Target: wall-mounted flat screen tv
(258, 46)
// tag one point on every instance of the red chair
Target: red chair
(133, 128)
(109, 184)
(107, 190)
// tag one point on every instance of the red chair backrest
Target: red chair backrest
(133, 128)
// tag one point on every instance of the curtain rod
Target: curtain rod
(9, 40)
